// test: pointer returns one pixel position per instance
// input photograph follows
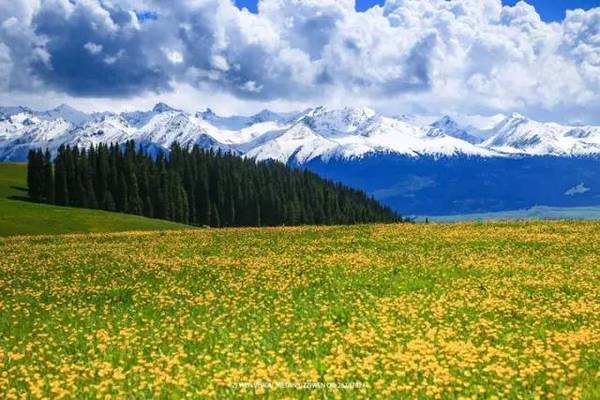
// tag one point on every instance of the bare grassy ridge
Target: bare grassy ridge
(510, 310)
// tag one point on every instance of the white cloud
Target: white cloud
(219, 62)
(115, 57)
(93, 48)
(578, 189)
(427, 56)
(174, 56)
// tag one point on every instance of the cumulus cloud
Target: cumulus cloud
(93, 48)
(433, 56)
(96, 48)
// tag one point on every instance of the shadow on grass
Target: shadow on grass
(22, 198)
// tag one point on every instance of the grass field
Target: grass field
(18, 217)
(504, 310)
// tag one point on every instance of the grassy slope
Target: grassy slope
(411, 311)
(26, 218)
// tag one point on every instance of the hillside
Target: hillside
(404, 311)
(18, 217)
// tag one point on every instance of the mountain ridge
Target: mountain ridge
(294, 137)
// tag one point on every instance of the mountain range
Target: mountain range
(298, 137)
(396, 159)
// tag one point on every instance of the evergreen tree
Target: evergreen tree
(35, 175)
(61, 191)
(108, 202)
(134, 202)
(148, 208)
(48, 178)
(92, 201)
(201, 187)
(121, 193)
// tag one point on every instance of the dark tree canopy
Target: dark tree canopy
(197, 187)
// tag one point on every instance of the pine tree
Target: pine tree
(102, 174)
(122, 194)
(35, 175)
(48, 178)
(134, 202)
(92, 201)
(148, 208)
(215, 220)
(108, 202)
(196, 186)
(61, 191)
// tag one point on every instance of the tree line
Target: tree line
(195, 186)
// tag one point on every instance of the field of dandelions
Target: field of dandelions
(480, 311)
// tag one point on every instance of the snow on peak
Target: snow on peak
(318, 133)
(67, 113)
(265, 115)
(332, 122)
(450, 127)
(15, 110)
(445, 122)
(270, 116)
(405, 118)
(518, 134)
(162, 108)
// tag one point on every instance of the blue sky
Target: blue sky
(554, 10)
(549, 10)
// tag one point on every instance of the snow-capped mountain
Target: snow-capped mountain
(66, 113)
(518, 134)
(461, 165)
(318, 133)
(451, 128)
(6, 112)
(353, 133)
(24, 130)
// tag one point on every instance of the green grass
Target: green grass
(410, 311)
(18, 217)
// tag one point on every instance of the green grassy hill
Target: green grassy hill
(20, 217)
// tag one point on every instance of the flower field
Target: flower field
(503, 310)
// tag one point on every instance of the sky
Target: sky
(422, 57)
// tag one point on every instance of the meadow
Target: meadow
(479, 311)
(19, 216)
